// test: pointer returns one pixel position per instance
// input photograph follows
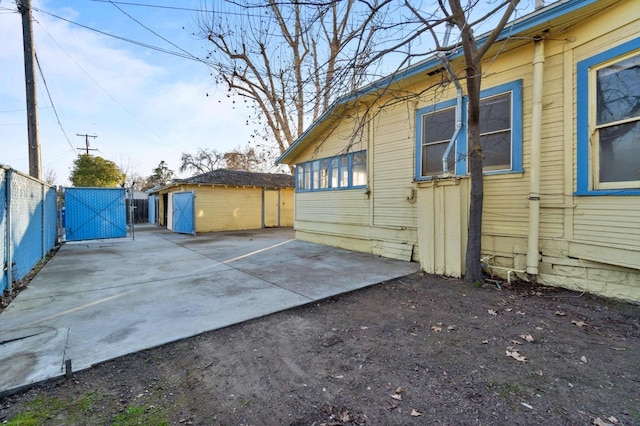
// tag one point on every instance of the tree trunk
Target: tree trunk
(473, 268)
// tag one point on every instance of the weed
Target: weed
(135, 415)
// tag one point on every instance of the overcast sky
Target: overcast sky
(143, 105)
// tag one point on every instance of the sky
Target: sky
(144, 106)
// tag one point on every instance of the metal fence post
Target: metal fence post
(9, 248)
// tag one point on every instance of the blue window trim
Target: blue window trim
(515, 87)
(350, 185)
(583, 154)
(427, 110)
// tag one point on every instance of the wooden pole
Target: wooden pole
(35, 166)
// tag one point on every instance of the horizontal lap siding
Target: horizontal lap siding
(346, 207)
(552, 159)
(226, 209)
(505, 205)
(608, 220)
(393, 167)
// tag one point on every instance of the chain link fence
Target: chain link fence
(28, 224)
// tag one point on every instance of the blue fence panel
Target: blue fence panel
(94, 213)
(26, 204)
(31, 231)
(4, 252)
(183, 212)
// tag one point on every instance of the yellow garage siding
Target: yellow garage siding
(227, 209)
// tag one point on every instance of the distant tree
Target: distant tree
(132, 179)
(162, 175)
(93, 171)
(50, 176)
(248, 158)
(205, 160)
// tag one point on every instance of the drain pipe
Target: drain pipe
(534, 170)
(445, 61)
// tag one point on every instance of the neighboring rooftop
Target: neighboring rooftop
(241, 178)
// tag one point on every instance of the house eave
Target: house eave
(527, 26)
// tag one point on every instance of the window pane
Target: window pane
(307, 176)
(359, 169)
(334, 172)
(620, 153)
(495, 132)
(344, 171)
(315, 174)
(495, 113)
(432, 159)
(618, 91)
(300, 176)
(496, 148)
(438, 126)
(324, 174)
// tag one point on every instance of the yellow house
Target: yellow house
(226, 200)
(560, 125)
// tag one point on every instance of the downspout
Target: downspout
(534, 169)
(445, 61)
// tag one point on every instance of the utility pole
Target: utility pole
(86, 142)
(35, 166)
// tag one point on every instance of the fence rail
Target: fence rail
(28, 227)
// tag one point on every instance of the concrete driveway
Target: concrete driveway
(101, 299)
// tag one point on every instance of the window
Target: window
(341, 172)
(495, 132)
(437, 129)
(500, 133)
(609, 122)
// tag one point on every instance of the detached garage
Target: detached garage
(224, 200)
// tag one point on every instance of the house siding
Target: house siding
(587, 243)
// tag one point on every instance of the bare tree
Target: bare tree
(50, 176)
(205, 160)
(248, 158)
(293, 63)
(289, 59)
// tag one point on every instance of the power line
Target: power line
(107, 93)
(153, 32)
(128, 40)
(46, 86)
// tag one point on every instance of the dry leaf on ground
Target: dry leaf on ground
(436, 328)
(560, 313)
(416, 413)
(515, 355)
(579, 323)
(492, 312)
(527, 337)
(599, 422)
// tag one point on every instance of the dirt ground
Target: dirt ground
(416, 350)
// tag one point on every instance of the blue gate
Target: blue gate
(92, 213)
(184, 212)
